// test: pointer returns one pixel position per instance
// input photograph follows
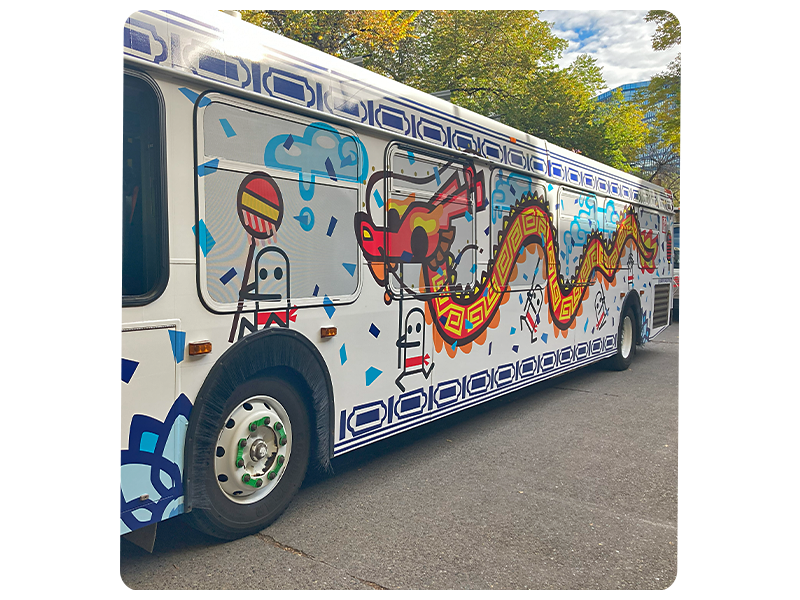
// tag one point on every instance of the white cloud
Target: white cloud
(620, 40)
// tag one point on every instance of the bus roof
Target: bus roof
(215, 47)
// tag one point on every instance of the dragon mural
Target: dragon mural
(422, 233)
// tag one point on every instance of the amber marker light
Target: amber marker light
(327, 332)
(196, 348)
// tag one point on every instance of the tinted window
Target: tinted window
(143, 248)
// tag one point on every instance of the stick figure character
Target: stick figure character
(272, 284)
(411, 344)
(630, 270)
(532, 307)
(600, 309)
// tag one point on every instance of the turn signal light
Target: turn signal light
(327, 332)
(196, 348)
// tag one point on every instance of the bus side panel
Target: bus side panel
(154, 422)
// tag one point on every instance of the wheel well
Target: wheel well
(632, 300)
(282, 353)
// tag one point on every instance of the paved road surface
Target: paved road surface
(571, 484)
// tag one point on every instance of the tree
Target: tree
(661, 160)
(497, 63)
(341, 33)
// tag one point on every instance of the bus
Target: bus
(316, 258)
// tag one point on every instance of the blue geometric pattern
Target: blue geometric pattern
(151, 484)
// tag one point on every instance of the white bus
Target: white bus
(316, 257)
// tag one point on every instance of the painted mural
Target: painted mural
(462, 315)
(446, 241)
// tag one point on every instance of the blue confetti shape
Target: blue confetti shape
(226, 127)
(228, 276)
(443, 320)
(453, 347)
(468, 323)
(520, 298)
(513, 191)
(350, 267)
(343, 354)
(490, 348)
(327, 303)
(486, 231)
(544, 338)
(468, 216)
(316, 290)
(128, 368)
(329, 169)
(473, 268)
(410, 157)
(372, 374)
(193, 96)
(207, 168)
(513, 330)
(515, 348)
(378, 198)
(587, 325)
(436, 174)
(525, 276)
(549, 188)
(178, 341)
(331, 226)
(374, 331)
(204, 237)
(289, 141)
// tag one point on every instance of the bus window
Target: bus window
(144, 260)
(577, 219)
(430, 216)
(266, 181)
(507, 189)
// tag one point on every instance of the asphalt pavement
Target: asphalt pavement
(569, 484)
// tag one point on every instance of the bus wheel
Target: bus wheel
(626, 343)
(257, 455)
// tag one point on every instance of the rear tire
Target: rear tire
(626, 343)
(254, 459)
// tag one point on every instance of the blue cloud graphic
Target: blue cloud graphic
(320, 152)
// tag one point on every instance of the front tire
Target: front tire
(255, 458)
(626, 343)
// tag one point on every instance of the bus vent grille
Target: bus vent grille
(660, 305)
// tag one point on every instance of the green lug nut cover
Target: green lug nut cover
(240, 463)
(281, 459)
(242, 443)
(283, 440)
(278, 426)
(245, 477)
(259, 482)
(271, 475)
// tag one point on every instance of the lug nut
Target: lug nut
(242, 443)
(245, 477)
(281, 459)
(240, 463)
(259, 482)
(271, 475)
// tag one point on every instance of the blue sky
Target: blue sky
(620, 40)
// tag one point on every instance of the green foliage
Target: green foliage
(663, 96)
(668, 31)
(500, 64)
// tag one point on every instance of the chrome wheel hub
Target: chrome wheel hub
(253, 449)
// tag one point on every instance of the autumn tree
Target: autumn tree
(500, 64)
